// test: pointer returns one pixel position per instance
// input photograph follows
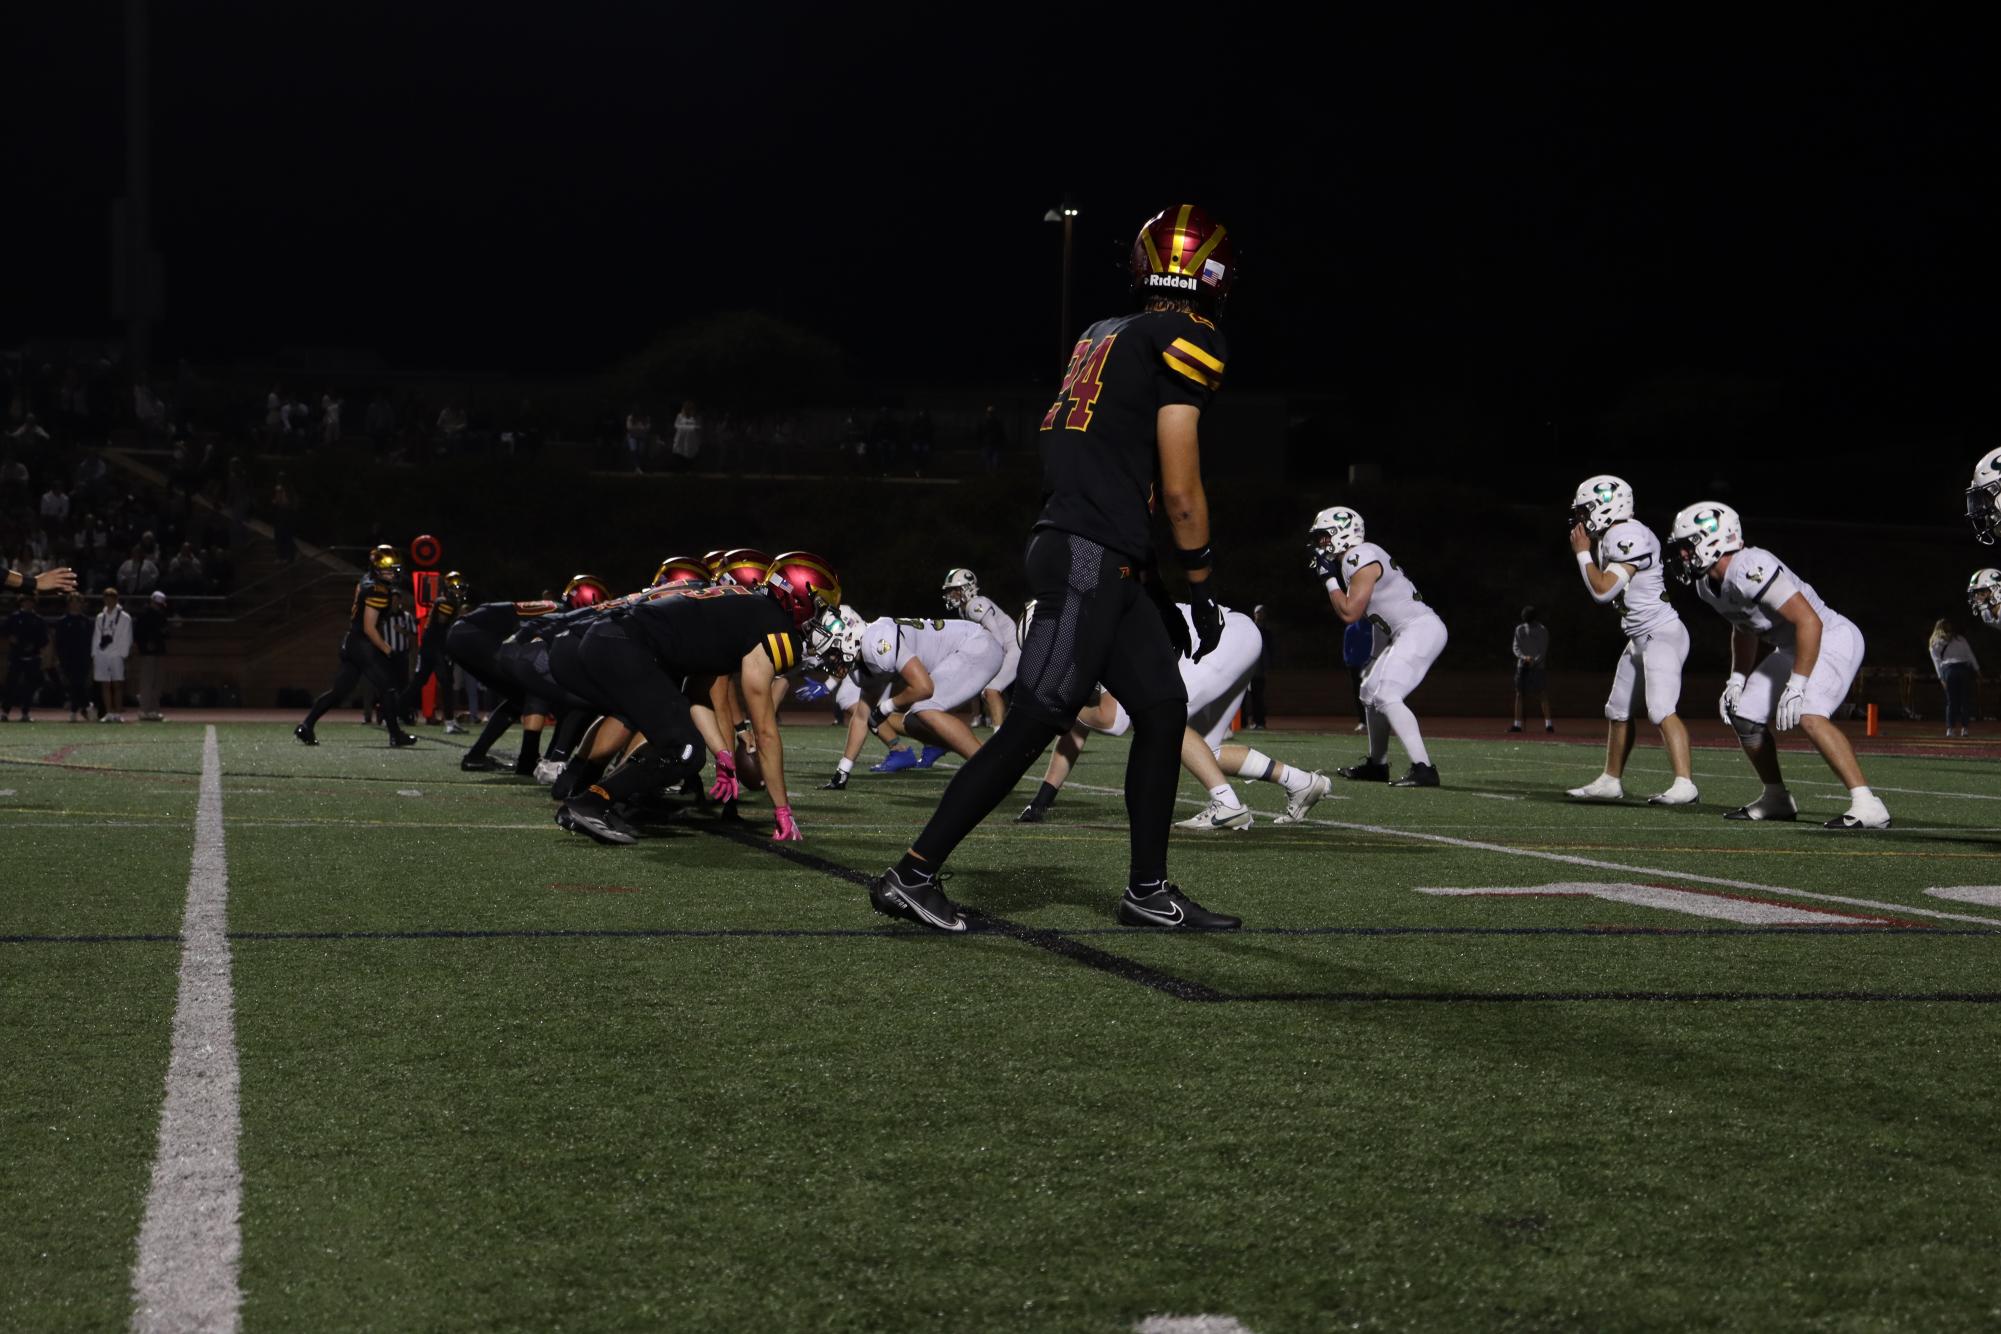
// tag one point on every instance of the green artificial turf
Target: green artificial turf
(494, 1076)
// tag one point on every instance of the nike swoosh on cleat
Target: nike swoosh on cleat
(1161, 917)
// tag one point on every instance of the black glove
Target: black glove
(1208, 618)
(876, 718)
(838, 783)
(1324, 564)
(1170, 615)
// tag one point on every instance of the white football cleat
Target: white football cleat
(452, 727)
(1218, 815)
(1602, 788)
(1297, 804)
(1681, 792)
(1870, 814)
(547, 771)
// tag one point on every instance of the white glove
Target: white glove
(1792, 702)
(1733, 690)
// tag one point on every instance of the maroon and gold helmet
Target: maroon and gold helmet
(714, 560)
(804, 585)
(680, 570)
(1182, 254)
(585, 590)
(742, 565)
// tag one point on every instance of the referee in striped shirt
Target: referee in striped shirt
(399, 630)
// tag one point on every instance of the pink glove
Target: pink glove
(788, 828)
(725, 788)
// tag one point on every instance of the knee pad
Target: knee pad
(1657, 718)
(1612, 717)
(1747, 731)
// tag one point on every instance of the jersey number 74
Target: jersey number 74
(1082, 384)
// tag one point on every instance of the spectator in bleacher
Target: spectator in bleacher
(73, 643)
(29, 432)
(687, 436)
(138, 576)
(184, 573)
(330, 418)
(90, 477)
(27, 638)
(992, 438)
(1531, 668)
(110, 646)
(55, 506)
(149, 641)
(1958, 671)
(638, 435)
(283, 508)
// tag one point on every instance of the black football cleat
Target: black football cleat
(305, 735)
(838, 783)
(582, 820)
(919, 901)
(621, 821)
(1368, 771)
(1418, 775)
(398, 740)
(1169, 907)
(479, 764)
(1032, 814)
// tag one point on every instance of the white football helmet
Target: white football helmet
(1336, 529)
(1600, 502)
(1702, 534)
(1983, 497)
(835, 641)
(1983, 596)
(961, 587)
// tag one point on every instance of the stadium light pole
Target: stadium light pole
(1066, 213)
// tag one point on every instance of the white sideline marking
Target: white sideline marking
(1986, 895)
(191, 1240)
(6, 792)
(1549, 762)
(1192, 1324)
(408, 792)
(1596, 864)
(1493, 796)
(1745, 912)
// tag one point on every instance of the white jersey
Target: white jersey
(890, 642)
(1395, 601)
(986, 614)
(1642, 603)
(1755, 586)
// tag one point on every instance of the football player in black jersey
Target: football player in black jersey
(454, 599)
(363, 650)
(1121, 432)
(645, 660)
(474, 643)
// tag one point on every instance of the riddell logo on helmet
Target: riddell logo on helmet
(1179, 282)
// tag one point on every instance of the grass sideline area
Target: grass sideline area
(1704, 1075)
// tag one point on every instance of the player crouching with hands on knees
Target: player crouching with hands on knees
(1816, 652)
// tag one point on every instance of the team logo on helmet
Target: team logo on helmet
(1702, 534)
(835, 641)
(961, 587)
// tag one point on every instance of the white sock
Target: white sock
(1379, 736)
(1858, 795)
(1257, 766)
(1224, 793)
(1293, 780)
(846, 765)
(1404, 723)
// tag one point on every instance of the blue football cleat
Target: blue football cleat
(811, 691)
(930, 756)
(895, 762)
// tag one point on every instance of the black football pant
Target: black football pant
(76, 684)
(359, 662)
(623, 678)
(1093, 623)
(1254, 705)
(477, 649)
(431, 661)
(23, 680)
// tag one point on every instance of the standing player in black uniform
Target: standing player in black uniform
(454, 600)
(1123, 423)
(363, 650)
(645, 661)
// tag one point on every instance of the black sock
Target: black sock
(496, 722)
(981, 784)
(531, 749)
(1153, 771)
(1045, 797)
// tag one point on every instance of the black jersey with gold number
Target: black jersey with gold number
(712, 630)
(1099, 451)
(374, 590)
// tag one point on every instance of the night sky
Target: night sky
(1552, 206)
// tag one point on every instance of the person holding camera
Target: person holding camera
(107, 659)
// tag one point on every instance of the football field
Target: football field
(1482, 1059)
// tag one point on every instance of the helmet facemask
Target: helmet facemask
(1982, 499)
(1983, 596)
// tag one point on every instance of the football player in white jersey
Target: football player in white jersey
(1620, 559)
(1983, 498)
(1362, 580)
(1983, 596)
(1816, 652)
(1216, 688)
(908, 677)
(962, 595)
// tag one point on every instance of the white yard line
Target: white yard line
(1549, 762)
(191, 1241)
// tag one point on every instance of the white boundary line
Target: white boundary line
(1477, 845)
(191, 1241)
